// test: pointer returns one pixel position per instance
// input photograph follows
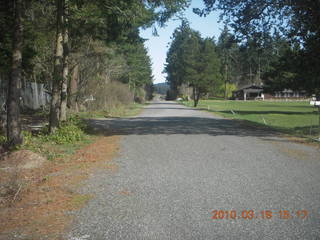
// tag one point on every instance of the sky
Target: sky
(158, 45)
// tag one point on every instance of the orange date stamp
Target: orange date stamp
(283, 214)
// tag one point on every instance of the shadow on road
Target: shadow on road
(174, 125)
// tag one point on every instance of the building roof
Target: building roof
(250, 88)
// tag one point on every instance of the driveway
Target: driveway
(186, 174)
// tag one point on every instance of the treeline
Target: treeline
(83, 51)
(284, 37)
(270, 43)
(161, 88)
(197, 67)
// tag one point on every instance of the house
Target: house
(248, 92)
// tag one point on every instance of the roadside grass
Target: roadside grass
(47, 192)
(53, 151)
(294, 118)
(120, 111)
(52, 186)
(72, 135)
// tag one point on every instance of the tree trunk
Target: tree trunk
(64, 85)
(225, 81)
(251, 74)
(259, 70)
(73, 87)
(58, 70)
(14, 135)
(196, 96)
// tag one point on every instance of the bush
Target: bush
(219, 91)
(140, 95)
(109, 96)
(27, 138)
(69, 132)
(185, 98)
(2, 139)
(76, 120)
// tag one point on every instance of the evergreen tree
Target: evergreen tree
(297, 20)
(193, 61)
(13, 100)
(85, 36)
(228, 51)
(139, 73)
(174, 64)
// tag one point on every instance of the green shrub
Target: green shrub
(185, 98)
(77, 121)
(69, 132)
(140, 94)
(27, 138)
(2, 139)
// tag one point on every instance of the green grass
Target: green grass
(53, 151)
(121, 111)
(296, 118)
(72, 135)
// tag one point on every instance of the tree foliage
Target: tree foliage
(297, 21)
(100, 44)
(192, 61)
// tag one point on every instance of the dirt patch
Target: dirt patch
(43, 193)
(23, 159)
(304, 141)
(297, 150)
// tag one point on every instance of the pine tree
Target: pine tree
(13, 101)
(193, 61)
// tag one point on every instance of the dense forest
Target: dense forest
(273, 44)
(85, 54)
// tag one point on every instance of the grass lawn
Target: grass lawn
(297, 118)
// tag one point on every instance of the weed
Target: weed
(79, 200)
(2, 139)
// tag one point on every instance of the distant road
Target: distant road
(178, 165)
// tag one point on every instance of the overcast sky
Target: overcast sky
(158, 46)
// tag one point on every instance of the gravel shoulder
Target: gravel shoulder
(176, 165)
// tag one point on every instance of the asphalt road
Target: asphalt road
(178, 165)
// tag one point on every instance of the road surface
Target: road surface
(178, 165)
